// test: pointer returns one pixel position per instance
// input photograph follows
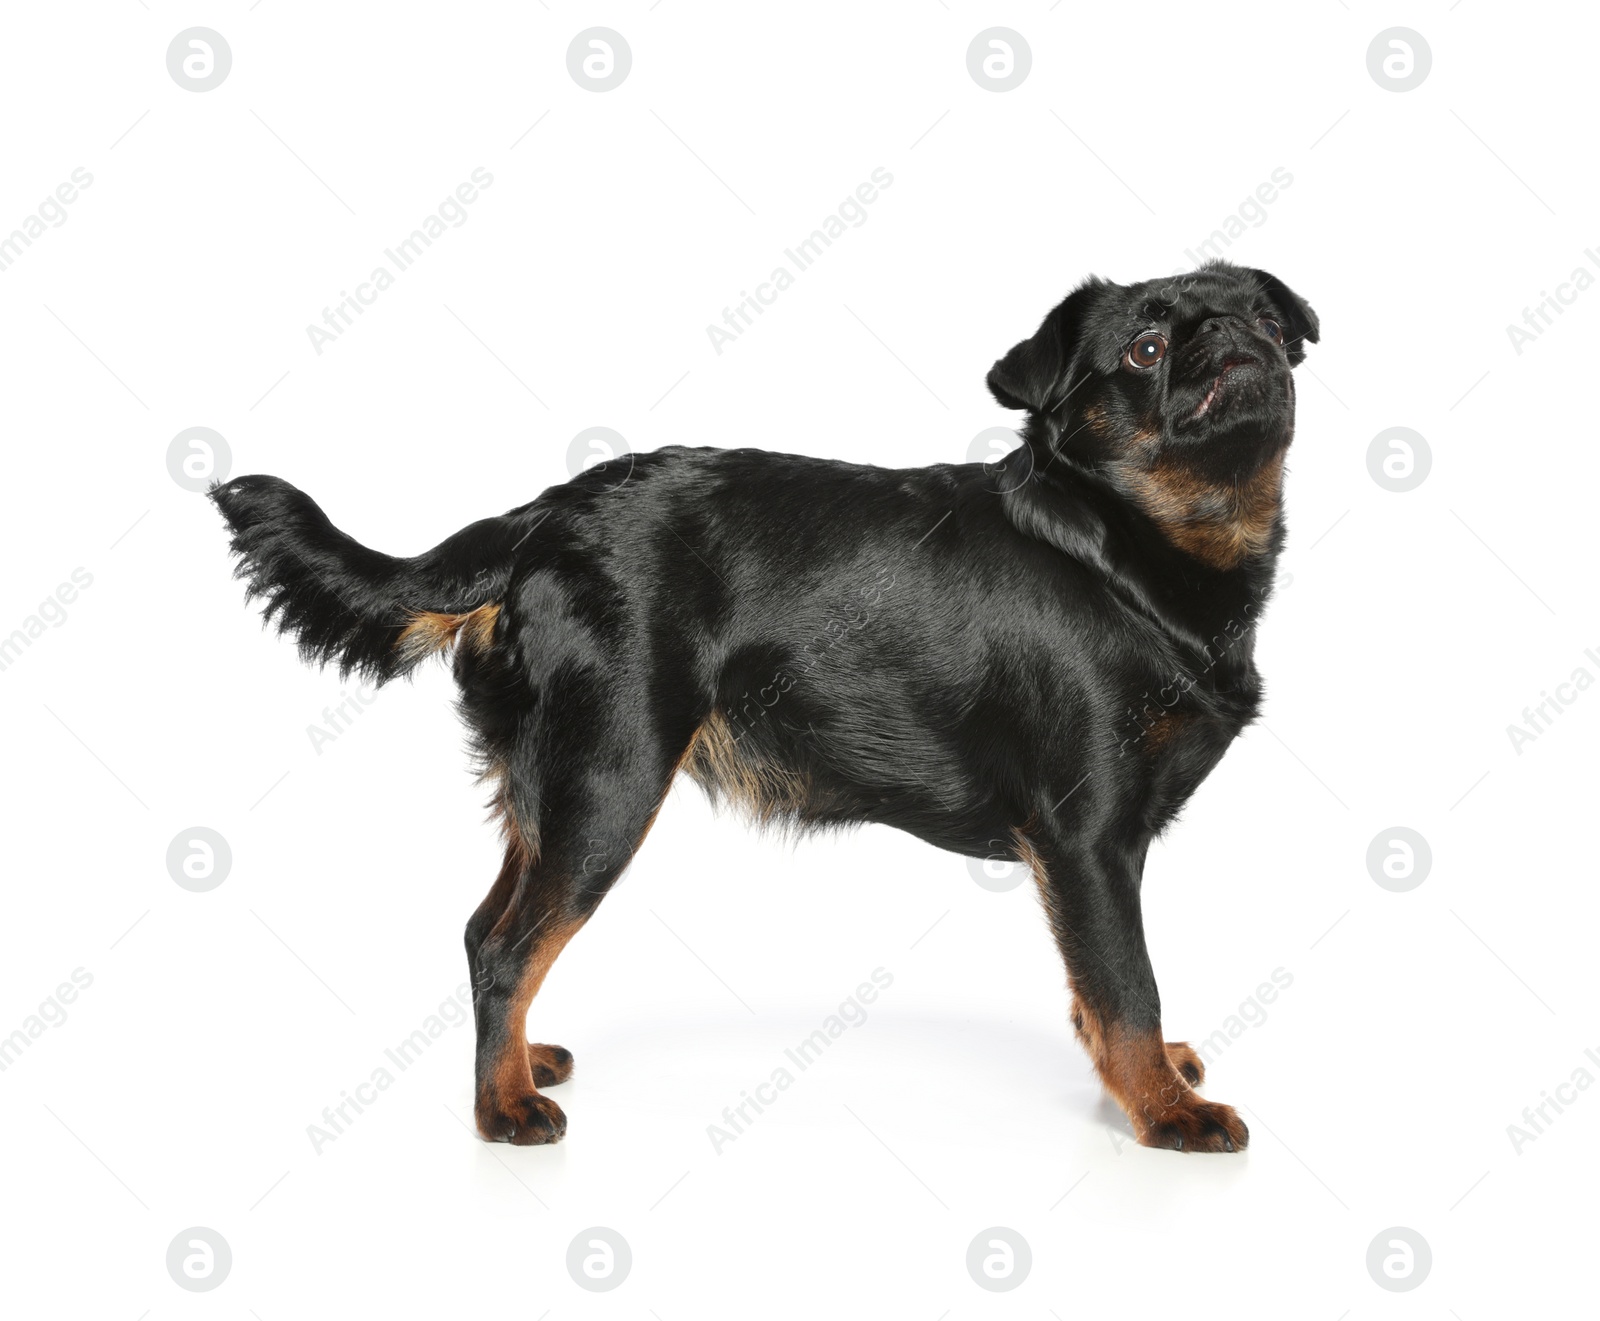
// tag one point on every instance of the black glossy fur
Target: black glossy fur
(1040, 658)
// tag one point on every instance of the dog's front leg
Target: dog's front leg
(1091, 895)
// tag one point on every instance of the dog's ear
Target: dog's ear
(1300, 323)
(1034, 374)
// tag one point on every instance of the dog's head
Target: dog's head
(1177, 392)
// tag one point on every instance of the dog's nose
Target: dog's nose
(1225, 327)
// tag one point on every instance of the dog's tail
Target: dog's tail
(373, 614)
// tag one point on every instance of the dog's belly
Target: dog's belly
(885, 726)
(818, 779)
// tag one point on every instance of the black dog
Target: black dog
(1040, 658)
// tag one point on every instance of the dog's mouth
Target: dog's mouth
(1216, 390)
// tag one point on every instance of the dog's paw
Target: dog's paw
(529, 1120)
(550, 1064)
(1181, 1055)
(1191, 1124)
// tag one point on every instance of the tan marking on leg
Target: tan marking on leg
(513, 1075)
(1152, 1081)
(1086, 1024)
(1186, 1060)
(1145, 1077)
(551, 1065)
(1138, 1077)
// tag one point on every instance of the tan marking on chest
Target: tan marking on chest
(1220, 524)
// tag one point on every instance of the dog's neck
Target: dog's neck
(1222, 521)
(1195, 599)
(1220, 524)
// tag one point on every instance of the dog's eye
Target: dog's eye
(1272, 330)
(1149, 349)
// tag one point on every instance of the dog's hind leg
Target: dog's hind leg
(590, 825)
(509, 967)
(550, 1064)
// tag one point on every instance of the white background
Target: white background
(1412, 630)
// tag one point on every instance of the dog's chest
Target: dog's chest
(1178, 745)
